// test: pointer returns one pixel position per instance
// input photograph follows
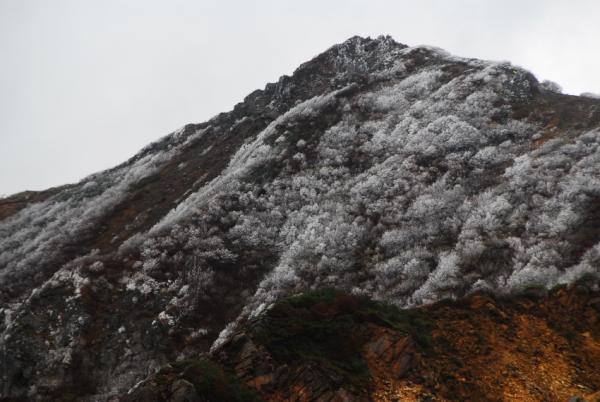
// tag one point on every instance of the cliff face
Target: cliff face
(403, 174)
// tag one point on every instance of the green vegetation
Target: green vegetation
(324, 327)
(588, 280)
(535, 291)
(213, 383)
(584, 283)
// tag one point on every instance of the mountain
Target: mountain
(400, 176)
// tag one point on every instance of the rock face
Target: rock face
(331, 346)
(401, 173)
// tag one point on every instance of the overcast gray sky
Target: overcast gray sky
(85, 84)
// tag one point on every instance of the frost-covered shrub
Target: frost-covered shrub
(590, 95)
(443, 136)
(551, 86)
(36, 235)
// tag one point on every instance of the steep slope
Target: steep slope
(406, 174)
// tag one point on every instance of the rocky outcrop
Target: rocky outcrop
(536, 346)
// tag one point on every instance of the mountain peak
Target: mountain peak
(358, 45)
(358, 55)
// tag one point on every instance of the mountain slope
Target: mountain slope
(406, 174)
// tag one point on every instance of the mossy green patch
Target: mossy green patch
(215, 384)
(324, 327)
(588, 279)
(211, 381)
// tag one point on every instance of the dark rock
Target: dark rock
(183, 391)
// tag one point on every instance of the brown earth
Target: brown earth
(538, 346)
(16, 202)
(526, 349)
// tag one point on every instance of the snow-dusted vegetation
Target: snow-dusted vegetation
(410, 182)
(40, 233)
(418, 191)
